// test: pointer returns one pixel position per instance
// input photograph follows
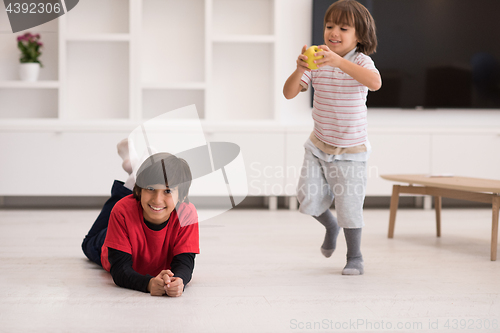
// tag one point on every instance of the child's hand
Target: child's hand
(166, 275)
(330, 58)
(157, 284)
(175, 287)
(302, 65)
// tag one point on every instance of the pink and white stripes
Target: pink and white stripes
(339, 108)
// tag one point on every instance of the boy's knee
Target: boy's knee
(91, 249)
(86, 248)
(314, 205)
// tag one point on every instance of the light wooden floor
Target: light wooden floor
(259, 271)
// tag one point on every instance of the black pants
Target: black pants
(94, 240)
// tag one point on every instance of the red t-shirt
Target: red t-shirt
(152, 251)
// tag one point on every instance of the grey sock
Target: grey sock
(354, 264)
(332, 231)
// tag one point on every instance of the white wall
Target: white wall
(294, 29)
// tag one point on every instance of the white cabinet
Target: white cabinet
(469, 154)
(49, 163)
(295, 140)
(263, 155)
(394, 153)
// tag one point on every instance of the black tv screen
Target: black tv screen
(432, 53)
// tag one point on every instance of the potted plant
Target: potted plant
(30, 51)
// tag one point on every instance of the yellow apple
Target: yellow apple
(310, 56)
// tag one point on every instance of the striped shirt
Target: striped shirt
(339, 107)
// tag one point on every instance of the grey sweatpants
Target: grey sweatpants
(320, 182)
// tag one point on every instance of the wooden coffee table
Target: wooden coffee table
(463, 188)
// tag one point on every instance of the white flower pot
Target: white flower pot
(29, 71)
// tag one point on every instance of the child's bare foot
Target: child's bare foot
(122, 148)
(127, 166)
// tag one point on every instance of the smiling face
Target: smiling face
(340, 38)
(158, 202)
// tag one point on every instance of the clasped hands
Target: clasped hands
(166, 283)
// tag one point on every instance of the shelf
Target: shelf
(97, 16)
(244, 39)
(156, 102)
(98, 37)
(29, 85)
(243, 17)
(234, 79)
(175, 86)
(172, 43)
(97, 81)
(28, 103)
(10, 54)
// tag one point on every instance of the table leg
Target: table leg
(273, 202)
(394, 208)
(494, 227)
(292, 203)
(437, 206)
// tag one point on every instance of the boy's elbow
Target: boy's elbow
(289, 94)
(118, 282)
(376, 85)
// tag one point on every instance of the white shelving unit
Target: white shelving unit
(135, 59)
(106, 71)
(242, 61)
(24, 101)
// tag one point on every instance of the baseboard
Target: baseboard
(250, 202)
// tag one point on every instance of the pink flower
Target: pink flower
(29, 46)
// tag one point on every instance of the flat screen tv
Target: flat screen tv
(432, 53)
